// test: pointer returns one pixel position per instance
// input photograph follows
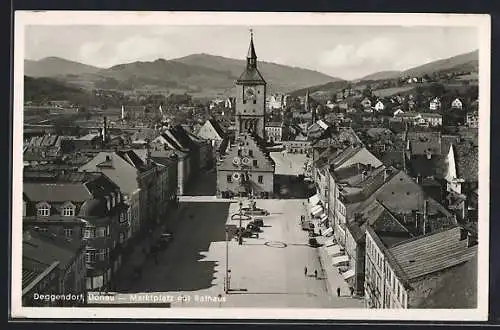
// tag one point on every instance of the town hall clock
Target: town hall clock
(250, 93)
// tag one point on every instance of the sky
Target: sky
(347, 52)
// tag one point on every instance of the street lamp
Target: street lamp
(226, 277)
(241, 213)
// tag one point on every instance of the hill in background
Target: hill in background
(56, 66)
(199, 75)
(468, 62)
(463, 62)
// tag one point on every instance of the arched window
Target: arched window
(43, 209)
(68, 210)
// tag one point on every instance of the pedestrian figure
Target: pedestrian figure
(316, 273)
(352, 290)
(320, 232)
(338, 292)
(305, 271)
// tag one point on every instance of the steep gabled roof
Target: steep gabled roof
(123, 173)
(73, 186)
(264, 162)
(252, 76)
(432, 253)
(217, 127)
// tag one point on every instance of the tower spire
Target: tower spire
(251, 56)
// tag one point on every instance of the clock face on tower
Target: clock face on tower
(249, 93)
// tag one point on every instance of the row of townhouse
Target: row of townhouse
(115, 198)
(423, 119)
(379, 105)
(84, 209)
(356, 194)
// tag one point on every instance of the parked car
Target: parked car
(313, 242)
(255, 212)
(247, 233)
(258, 222)
(253, 227)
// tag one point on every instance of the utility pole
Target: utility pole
(226, 278)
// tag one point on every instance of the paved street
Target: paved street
(265, 272)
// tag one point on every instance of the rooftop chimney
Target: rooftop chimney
(386, 174)
(471, 239)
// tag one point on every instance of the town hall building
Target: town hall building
(246, 168)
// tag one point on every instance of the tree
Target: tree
(437, 90)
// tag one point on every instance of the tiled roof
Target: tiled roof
(401, 194)
(421, 142)
(346, 154)
(217, 127)
(265, 162)
(251, 75)
(56, 192)
(459, 290)
(377, 132)
(145, 134)
(375, 214)
(365, 188)
(432, 253)
(43, 250)
(421, 165)
(180, 134)
(326, 156)
(29, 276)
(123, 173)
(132, 158)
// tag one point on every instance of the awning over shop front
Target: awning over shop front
(314, 200)
(339, 260)
(315, 208)
(328, 232)
(333, 250)
(317, 211)
(350, 273)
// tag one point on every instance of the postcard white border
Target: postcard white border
(483, 24)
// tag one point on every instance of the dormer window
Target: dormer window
(113, 199)
(68, 210)
(118, 198)
(108, 203)
(43, 209)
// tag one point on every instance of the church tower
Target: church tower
(251, 97)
